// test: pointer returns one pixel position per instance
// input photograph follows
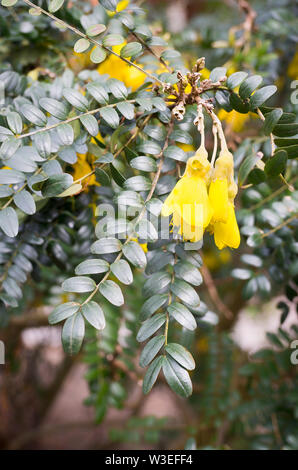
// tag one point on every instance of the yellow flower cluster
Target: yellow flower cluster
(203, 199)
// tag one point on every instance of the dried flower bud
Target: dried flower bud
(179, 111)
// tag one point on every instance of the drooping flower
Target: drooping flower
(188, 203)
(222, 192)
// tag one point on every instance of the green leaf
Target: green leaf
(54, 107)
(250, 289)
(34, 115)
(55, 185)
(110, 116)
(55, 5)
(144, 164)
(122, 271)
(262, 95)
(9, 148)
(153, 304)
(14, 121)
(102, 177)
(66, 134)
(246, 167)
(94, 315)
(106, 245)
(181, 355)
(157, 284)
(92, 266)
(112, 292)
(185, 292)
(131, 49)
(109, 5)
(150, 326)
(151, 349)
(81, 45)
(256, 176)
(78, 284)
(217, 73)
(117, 88)
(95, 30)
(126, 109)
(188, 273)
(276, 164)
(236, 79)
(286, 130)
(24, 201)
(138, 183)
(62, 312)
(9, 222)
(252, 260)
(98, 92)
(8, 3)
(73, 333)
(98, 55)
(175, 153)
(11, 177)
(271, 120)
(182, 315)
(240, 273)
(179, 135)
(76, 99)
(152, 374)
(90, 124)
(249, 85)
(150, 147)
(177, 377)
(135, 254)
(237, 103)
(112, 40)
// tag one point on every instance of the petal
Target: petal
(219, 200)
(227, 234)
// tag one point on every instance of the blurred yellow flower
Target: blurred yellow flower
(234, 119)
(117, 68)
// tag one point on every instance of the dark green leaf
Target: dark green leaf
(177, 377)
(73, 334)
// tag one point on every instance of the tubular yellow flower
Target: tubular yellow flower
(227, 234)
(222, 192)
(189, 202)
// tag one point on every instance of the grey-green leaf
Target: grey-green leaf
(92, 266)
(182, 315)
(62, 312)
(73, 333)
(177, 377)
(152, 374)
(112, 292)
(25, 201)
(78, 284)
(181, 355)
(122, 271)
(94, 315)
(9, 222)
(151, 349)
(150, 326)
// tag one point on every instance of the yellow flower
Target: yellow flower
(82, 168)
(227, 234)
(222, 192)
(189, 202)
(235, 120)
(186, 147)
(117, 68)
(121, 6)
